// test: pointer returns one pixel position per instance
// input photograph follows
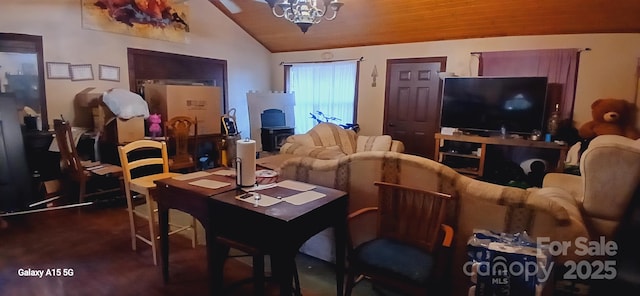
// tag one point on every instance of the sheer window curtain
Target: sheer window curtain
(559, 65)
(326, 87)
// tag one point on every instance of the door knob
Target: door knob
(391, 124)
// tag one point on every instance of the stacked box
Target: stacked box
(195, 101)
(121, 130)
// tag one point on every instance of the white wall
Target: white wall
(212, 35)
(608, 70)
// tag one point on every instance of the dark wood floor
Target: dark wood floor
(95, 245)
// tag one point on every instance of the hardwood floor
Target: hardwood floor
(94, 244)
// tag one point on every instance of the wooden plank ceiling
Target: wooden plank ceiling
(375, 22)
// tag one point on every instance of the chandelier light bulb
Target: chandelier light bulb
(305, 13)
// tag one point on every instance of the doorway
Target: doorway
(412, 102)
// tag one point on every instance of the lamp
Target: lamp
(305, 13)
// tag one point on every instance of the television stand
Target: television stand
(478, 134)
(473, 163)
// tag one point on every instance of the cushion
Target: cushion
(329, 134)
(408, 262)
(319, 152)
(373, 143)
(302, 139)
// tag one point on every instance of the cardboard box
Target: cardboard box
(201, 102)
(88, 98)
(115, 129)
(98, 114)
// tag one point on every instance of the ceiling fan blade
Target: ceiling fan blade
(231, 6)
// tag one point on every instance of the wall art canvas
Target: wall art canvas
(155, 19)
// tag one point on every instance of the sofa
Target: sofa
(330, 141)
(541, 212)
(609, 180)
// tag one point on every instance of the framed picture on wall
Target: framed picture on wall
(110, 73)
(56, 70)
(81, 72)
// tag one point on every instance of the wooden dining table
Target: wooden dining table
(278, 230)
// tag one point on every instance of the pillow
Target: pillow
(373, 143)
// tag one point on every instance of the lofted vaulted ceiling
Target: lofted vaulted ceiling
(375, 22)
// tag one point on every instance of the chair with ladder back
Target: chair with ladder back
(409, 252)
(139, 160)
(76, 170)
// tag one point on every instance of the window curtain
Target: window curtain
(559, 65)
(328, 87)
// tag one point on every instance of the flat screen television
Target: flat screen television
(485, 104)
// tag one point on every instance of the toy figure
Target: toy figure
(154, 127)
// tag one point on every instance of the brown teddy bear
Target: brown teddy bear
(610, 117)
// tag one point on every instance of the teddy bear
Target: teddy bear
(610, 117)
(154, 127)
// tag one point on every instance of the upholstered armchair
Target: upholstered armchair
(609, 179)
(330, 141)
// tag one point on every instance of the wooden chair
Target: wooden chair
(177, 129)
(77, 170)
(144, 185)
(258, 276)
(407, 253)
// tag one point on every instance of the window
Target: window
(328, 87)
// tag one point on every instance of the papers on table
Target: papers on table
(295, 199)
(304, 197)
(295, 185)
(264, 201)
(105, 169)
(190, 176)
(211, 184)
(293, 192)
(90, 164)
(226, 173)
(101, 169)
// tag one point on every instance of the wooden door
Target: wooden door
(412, 103)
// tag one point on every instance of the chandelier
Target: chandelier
(305, 13)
